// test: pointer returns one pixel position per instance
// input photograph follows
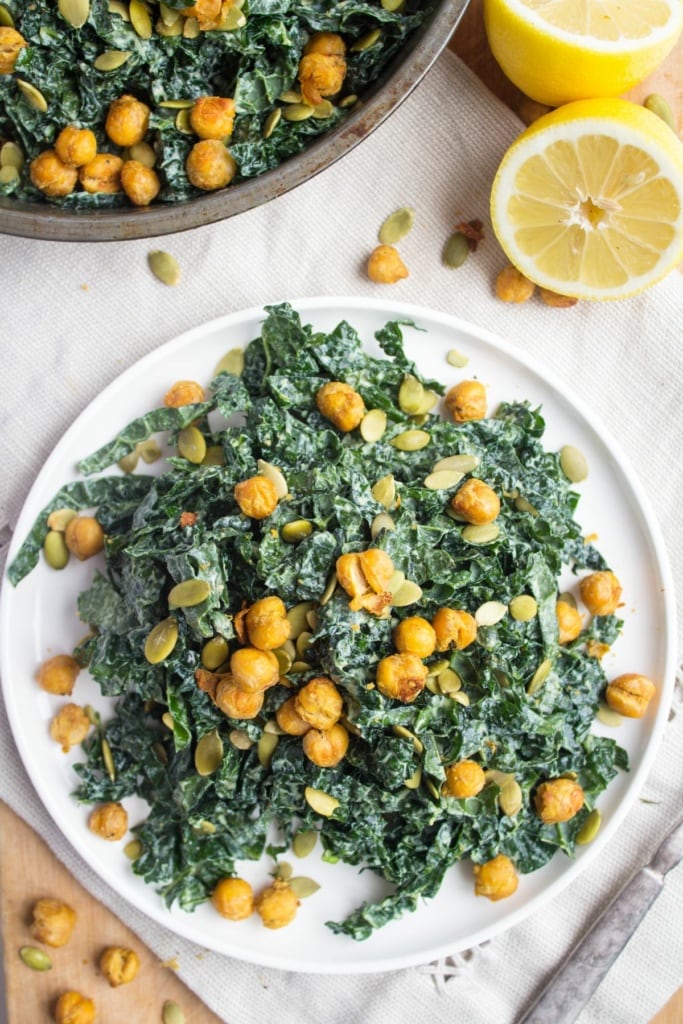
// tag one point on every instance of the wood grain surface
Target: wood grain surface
(29, 870)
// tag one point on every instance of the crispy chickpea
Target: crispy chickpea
(236, 702)
(340, 404)
(74, 1008)
(512, 286)
(102, 174)
(53, 922)
(58, 674)
(84, 537)
(213, 117)
(630, 694)
(322, 68)
(600, 592)
(127, 120)
(401, 676)
(326, 747)
(11, 43)
(328, 43)
(350, 574)
(319, 703)
(184, 392)
(558, 800)
(207, 13)
(119, 965)
(140, 183)
(385, 265)
(277, 905)
(415, 635)
(210, 165)
(70, 726)
(109, 821)
(466, 401)
(568, 621)
(253, 669)
(496, 879)
(476, 502)
(377, 568)
(256, 497)
(556, 300)
(464, 779)
(52, 176)
(288, 719)
(365, 576)
(233, 898)
(267, 624)
(76, 146)
(453, 627)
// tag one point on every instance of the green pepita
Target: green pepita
(303, 887)
(481, 534)
(590, 828)
(182, 122)
(384, 491)
(523, 607)
(366, 41)
(413, 781)
(108, 760)
(266, 748)
(304, 842)
(271, 122)
(329, 590)
(192, 445)
(323, 110)
(273, 474)
(167, 719)
(381, 522)
(35, 958)
(410, 440)
(539, 677)
(133, 849)
(510, 798)
(177, 104)
(408, 593)
(297, 112)
(208, 753)
(460, 698)
(233, 19)
(128, 463)
(322, 803)
(284, 660)
(215, 456)
(11, 155)
(32, 95)
(6, 19)
(396, 226)
(120, 8)
(232, 362)
(608, 716)
(455, 358)
(449, 681)
(490, 612)
(161, 640)
(189, 593)
(140, 18)
(240, 739)
(171, 1013)
(410, 395)
(658, 105)
(522, 505)
(455, 251)
(497, 778)
(290, 96)
(55, 550)
(283, 871)
(393, 6)
(160, 753)
(373, 425)
(60, 519)
(149, 450)
(297, 616)
(75, 12)
(191, 29)
(573, 463)
(348, 101)
(406, 734)
(437, 666)
(110, 60)
(214, 652)
(443, 479)
(8, 174)
(164, 266)
(457, 463)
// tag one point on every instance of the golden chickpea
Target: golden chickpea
(568, 621)
(236, 702)
(319, 703)
(51, 176)
(415, 635)
(277, 905)
(109, 821)
(210, 165)
(84, 537)
(58, 674)
(558, 800)
(256, 497)
(377, 568)
(267, 624)
(511, 286)
(476, 502)
(119, 965)
(453, 627)
(466, 401)
(328, 43)
(76, 146)
(630, 694)
(74, 1008)
(213, 117)
(184, 392)
(401, 677)
(11, 43)
(53, 922)
(253, 669)
(600, 592)
(207, 13)
(350, 574)
(127, 120)
(385, 265)
(70, 726)
(233, 898)
(496, 879)
(140, 183)
(326, 747)
(289, 721)
(464, 779)
(555, 300)
(102, 174)
(340, 404)
(322, 68)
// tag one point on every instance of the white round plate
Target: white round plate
(38, 619)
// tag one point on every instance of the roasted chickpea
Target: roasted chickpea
(53, 922)
(340, 404)
(102, 174)
(466, 401)
(600, 592)
(464, 779)
(377, 568)
(52, 176)
(233, 898)
(513, 286)
(326, 747)
(109, 821)
(365, 576)
(11, 44)
(319, 703)
(76, 146)
(453, 627)
(496, 879)
(558, 800)
(256, 497)
(140, 183)
(630, 694)
(184, 392)
(70, 726)
(253, 669)
(127, 120)
(74, 1008)
(476, 502)
(415, 635)
(236, 702)
(568, 621)
(385, 265)
(267, 624)
(401, 676)
(84, 537)
(207, 13)
(119, 965)
(277, 905)
(322, 68)
(328, 43)
(288, 719)
(58, 674)
(210, 165)
(213, 117)
(350, 574)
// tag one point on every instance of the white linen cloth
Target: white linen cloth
(75, 315)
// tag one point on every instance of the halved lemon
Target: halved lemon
(557, 51)
(588, 201)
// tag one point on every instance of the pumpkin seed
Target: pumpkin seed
(449, 681)
(161, 640)
(11, 155)
(573, 463)
(460, 698)
(522, 505)
(208, 753)
(384, 491)
(120, 8)
(456, 463)
(455, 358)
(215, 456)
(240, 739)
(406, 734)
(266, 748)
(373, 425)
(33, 96)
(296, 531)
(348, 101)
(608, 716)
(299, 666)
(442, 479)
(297, 618)
(149, 450)
(192, 445)
(329, 590)
(271, 122)
(273, 474)
(590, 828)
(410, 395)
(140, 18)
(171, 1013)
(164, 266)
(6, 19)
(437, 666)
(55, 550)
(167, 719)
(455, 251)
(490, 612)
(177, 105)
(232, 362)
(133, 849)
(396, 226)
(396, 581)
(429, 401)
(539, 677)
(303, 887)
(189, 593)
(322, 803)
(191, 29)
(297, 112)
(110, 60)
(304, 842)
(129, 462)
(433, 790)
(393, 6)
(658, 105)
(523, 607)
(497, 778)
(93, 715)
(214, 652)
(206, 828)
(408, 593)
(410, 440)
(303, 642)
(381, 522)
(290, 96)
(366, 41)
(323, 110)
(233, 19)
(510, 798)
(414, 780)
(169, 15)
(8, 174)
(34, 958)
(74, 11)
(168, 31)
(160, 753)
(108, 760)
(283, 871)
(481, 534)
(182, 123)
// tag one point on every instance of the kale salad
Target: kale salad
(363, 543)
